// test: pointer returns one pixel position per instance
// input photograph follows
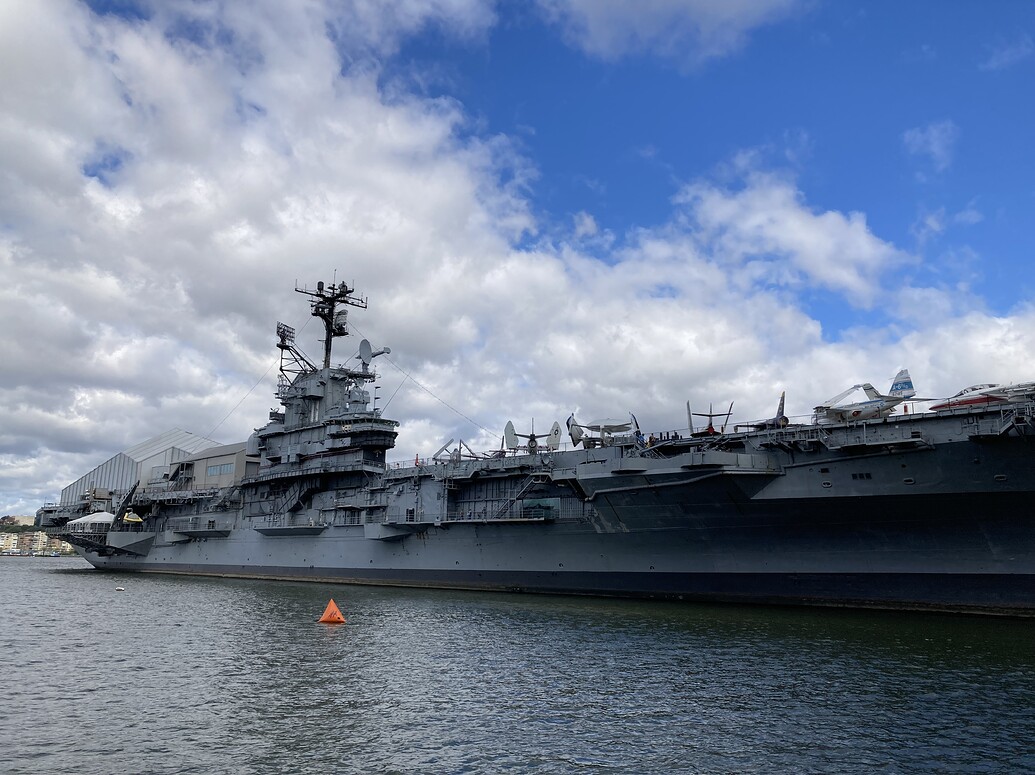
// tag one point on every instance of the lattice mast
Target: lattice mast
(325, 305)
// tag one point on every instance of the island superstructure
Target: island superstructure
(921, 511)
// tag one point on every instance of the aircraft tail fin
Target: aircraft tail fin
(510, 436)
(553, 441)
(779, 409)
(902, 385)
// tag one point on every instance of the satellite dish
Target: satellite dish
(366, 353)
(574, 430)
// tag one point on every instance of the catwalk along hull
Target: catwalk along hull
(924, 511)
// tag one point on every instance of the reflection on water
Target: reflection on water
(204, 675)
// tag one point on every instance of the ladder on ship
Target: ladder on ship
(531, 481)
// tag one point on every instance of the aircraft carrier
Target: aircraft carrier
(930, 510)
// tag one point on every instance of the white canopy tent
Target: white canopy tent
(98, 522)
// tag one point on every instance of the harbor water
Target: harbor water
(194, 675)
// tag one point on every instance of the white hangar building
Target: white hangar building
(150, 461)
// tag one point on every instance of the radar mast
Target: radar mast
(325, 303)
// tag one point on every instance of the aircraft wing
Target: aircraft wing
(870, 391)
(1021, 388)
(831, 402)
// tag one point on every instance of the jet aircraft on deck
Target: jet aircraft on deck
(875, 405)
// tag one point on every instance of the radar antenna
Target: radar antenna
(292, 360)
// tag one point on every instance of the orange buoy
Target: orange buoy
(331, 614)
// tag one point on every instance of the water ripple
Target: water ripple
(178, 675)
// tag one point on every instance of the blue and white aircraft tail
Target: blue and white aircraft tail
(876, 405)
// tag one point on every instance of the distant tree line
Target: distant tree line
(9, 528)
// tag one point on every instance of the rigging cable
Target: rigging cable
(250, 390)
(427, 390)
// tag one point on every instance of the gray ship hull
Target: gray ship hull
(973, 553)
(920, 511)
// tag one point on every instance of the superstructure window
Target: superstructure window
(219, 470)
(862, 476)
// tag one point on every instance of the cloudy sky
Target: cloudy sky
(598, 206)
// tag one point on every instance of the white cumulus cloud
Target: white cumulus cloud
(769, 236)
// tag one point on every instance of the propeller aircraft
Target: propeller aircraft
(510, 438)
(604, 430)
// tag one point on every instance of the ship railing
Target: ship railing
(288, 471)
(542, 510)
(467, 516)
(806, 433)
(347, 425)
(544, 514)
(527, 485)
(89, 528)
(196, 523)
(642, 449)
(288, 520)
(515, 509)
(352, 517)
(498, 460)
(875, 433)
(147, 496)
(862, 433)
(1019, 419)
(347, 512)
(128, 527)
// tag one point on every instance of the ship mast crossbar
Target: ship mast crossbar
(325, 302)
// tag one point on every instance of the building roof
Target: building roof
(188, 442)
(224, 449)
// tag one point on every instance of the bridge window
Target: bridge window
(862, 476)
